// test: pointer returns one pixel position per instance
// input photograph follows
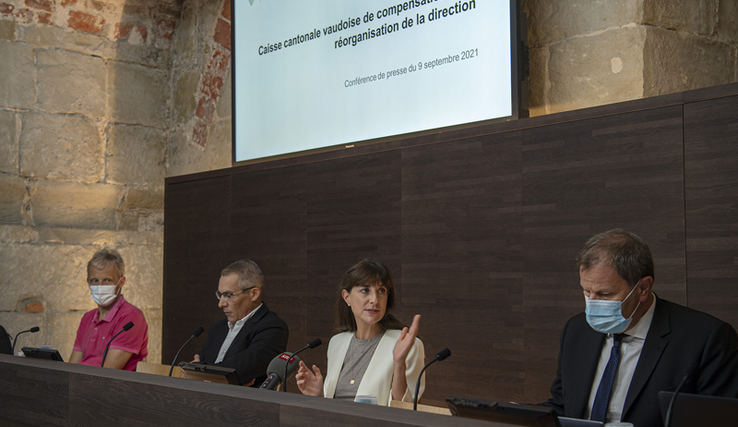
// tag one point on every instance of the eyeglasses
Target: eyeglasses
(228, 296)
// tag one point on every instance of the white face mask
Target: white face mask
(104, 295)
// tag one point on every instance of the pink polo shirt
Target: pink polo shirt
(93, 336)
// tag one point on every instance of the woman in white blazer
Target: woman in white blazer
(374, 353)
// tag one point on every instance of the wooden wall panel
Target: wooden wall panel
(480, 227)
(268, 226)
(197, 231)
(582, 178)
(462, 261)
(353, 213)
(711, 170)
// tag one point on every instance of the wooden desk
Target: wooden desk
(45, 393)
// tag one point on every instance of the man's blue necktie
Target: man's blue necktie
(602, 398)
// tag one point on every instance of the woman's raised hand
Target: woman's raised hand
(309, 382)
(406, 341)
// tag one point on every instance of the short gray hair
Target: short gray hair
(103, 257)
(249, 273)
(627, 253)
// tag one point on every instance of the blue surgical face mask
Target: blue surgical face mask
(607, 316)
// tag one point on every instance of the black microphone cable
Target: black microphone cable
(127, 326)
(33, 330)
(312, 344)
(195, 334)
(443, 354)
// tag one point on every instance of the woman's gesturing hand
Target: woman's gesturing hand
(309, 382)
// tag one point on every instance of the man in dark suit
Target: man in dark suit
(630, 344)
(250, 336)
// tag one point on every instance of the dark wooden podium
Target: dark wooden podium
(46, 393)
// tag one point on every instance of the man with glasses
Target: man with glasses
(250, 336)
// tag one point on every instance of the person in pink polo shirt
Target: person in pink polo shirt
(106, 277)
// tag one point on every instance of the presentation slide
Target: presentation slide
(318, 73)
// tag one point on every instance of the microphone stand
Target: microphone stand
(195, 334)
(312, 344)
(127, 326)
(440, 356)
(33, 330)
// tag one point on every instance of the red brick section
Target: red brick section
(33, 307)
(44, 18)
(227, 10)
(85, 22)
(165, 28)
(211, 82)
(40, 4)
(6, 8)
(123, 31)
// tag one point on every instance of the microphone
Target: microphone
(195, 334)
(687, 377)
(442, 355)
(127, 326)
(32, 330)
(279, 364)
(312, 344)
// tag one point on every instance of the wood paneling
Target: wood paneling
(480, 226)
(711, 171)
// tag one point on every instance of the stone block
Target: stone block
(75, 205)
(184, 97)
(17, 86)
(70, 82)
(12, 196)
(56, 37)
(144, 198)
(15, 322)
(596, 70)
(8, 142)
(136, 155)
(144, 277)
(60, 147)
(676, 62)
(186, 157)
(694, 16)
(62, 329)
(185, 39)
(17, 234)
(539, 84)
(53, 274)
(99, 238)
(137, 95)
(7, 30)
(727, 26)
(550, 21)
(153, 319)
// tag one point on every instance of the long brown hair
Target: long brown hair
(366, 271)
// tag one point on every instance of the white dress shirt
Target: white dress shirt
(630, 352)
(232, 332)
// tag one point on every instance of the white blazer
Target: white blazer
(377, 380)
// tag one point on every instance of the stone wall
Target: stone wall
(589, 53)
(84, 130)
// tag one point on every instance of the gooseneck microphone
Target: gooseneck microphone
(195, 334)
(32, 330)
(443, 354)
(278, 365)
(312, 344)
(127, 326)
(687, 377)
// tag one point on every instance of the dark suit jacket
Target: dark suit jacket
(680, 339)
(5, 342)
(261, 338)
